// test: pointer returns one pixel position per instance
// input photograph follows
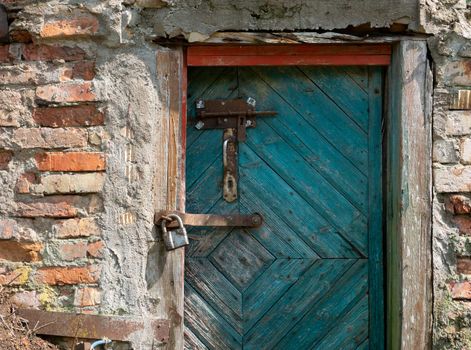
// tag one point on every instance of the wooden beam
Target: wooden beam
(409, 299)
(285, 55)
(169, 266)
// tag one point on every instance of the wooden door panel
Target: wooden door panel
(301, 280)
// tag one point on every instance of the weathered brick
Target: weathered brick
(461, 290)
(458, 72)
(83, 115)
(77, 24)
(444, 151)
(59, 206)
(458, 123)
(460, 99)
(74, 228)
(18, 229)
(5, 53)
(25, 181)
(5, 159)
(463, 222)
(70, 251)
(20, 36)
(50, 138)
(33, 52)
(17, 277)
(68, 275)
(95, 249)
(69, 183)
(24, 74)
(152, 3)
(81, 70)
(464, 265)
(12, 108)
(26, 299)
(87, 297)
(452, 178)
(66, 92)
(70, 161)
(458, 204)
(465, 148)
(20, 251)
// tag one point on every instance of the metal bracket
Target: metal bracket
(234, 116)
(236, 220)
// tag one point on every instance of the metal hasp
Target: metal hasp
(234, 116)
(83, 326)
(201, 220)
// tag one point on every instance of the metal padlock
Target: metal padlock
(174, 238)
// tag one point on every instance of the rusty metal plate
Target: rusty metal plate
(235, 220)
(92, 326)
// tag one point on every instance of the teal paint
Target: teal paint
(312, 276)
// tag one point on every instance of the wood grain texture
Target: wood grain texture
(409, 203)
(170, 265)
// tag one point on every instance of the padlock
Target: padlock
(174, 238)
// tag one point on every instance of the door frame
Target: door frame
(406, 165)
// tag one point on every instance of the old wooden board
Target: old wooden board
(311, 276)
(409, 300)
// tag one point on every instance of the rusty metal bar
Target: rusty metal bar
(82, 326)
(236, 220)
(249, 113)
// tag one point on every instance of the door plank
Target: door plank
(215, 289)
(263, 182)
(280, 276)
(207, 324)
(309, 184)
(346, 292)
(359, 74)
(343, 91)
(294, 303)
(350, 331)
(316, 150)
(307, 99)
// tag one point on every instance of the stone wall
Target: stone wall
(80, 120)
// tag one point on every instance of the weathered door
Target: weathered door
(311, 276)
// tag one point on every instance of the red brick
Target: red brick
(81, 70)
(458, 204)
(5, 158)
(80, 24)
(18, 229)
(58, 206)
(17, 277)
(20, 36)
(95, 249)
(33, 52)
(84, 115)
(50, 138)
(5, 53)
(461, 290)
(74, 228)
(70, 251)
(66, 92)
(23, 185)
(70, 161)
(68, 275)
(463, 222)
(20, 251)
(87, 297)
(464, 265)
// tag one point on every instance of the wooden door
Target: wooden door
(311, 276)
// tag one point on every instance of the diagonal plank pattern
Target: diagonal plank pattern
(301, 281)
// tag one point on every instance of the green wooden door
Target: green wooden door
(311, 276)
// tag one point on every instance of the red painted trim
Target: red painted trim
(285, 55)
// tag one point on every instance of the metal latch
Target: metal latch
(189, 219)
(234, 116)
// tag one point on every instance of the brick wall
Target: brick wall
(52, 162)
